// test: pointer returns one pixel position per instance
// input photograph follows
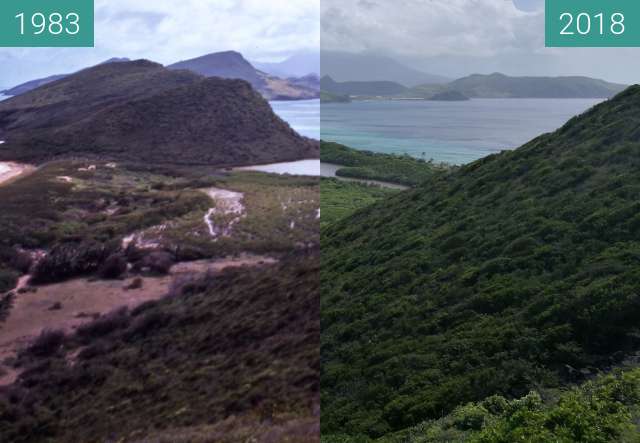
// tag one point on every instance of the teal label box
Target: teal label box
(592, 23)
(46, 23)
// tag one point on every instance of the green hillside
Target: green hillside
(342, 198)
(519, 271)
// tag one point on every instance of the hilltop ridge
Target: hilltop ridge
(141, 111)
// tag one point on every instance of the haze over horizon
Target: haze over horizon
(456, 38)
(158, 31)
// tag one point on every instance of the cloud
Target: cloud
(529, 5)
(459, 37)
(167, 31)
(429, 27)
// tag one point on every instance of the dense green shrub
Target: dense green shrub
(400, 169)
(68, 260)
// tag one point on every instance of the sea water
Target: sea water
(450, 132)
(302, 115)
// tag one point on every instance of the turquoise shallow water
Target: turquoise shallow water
(451, 132)
(303, 115)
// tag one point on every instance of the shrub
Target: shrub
(8, 280)
(47, 343)
(113, 267)
(94, 350)
(142, 325)
(143, 307)
(157, 262)
(56, 306)
(118, 319)
(68, 260)
(136, 283)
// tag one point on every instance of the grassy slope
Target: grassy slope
(391, 168)
(243, 344)
(75, 213)
(340, 199)
(517, 271)
(99, 208)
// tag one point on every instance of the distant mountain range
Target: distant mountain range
(228, 64)
(298, 65)
(343, 67)
(141, 111)
(480, 86)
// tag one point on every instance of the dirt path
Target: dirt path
(10, 171)
(69, 304)
(228, 211)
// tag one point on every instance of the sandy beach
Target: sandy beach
(10, 171)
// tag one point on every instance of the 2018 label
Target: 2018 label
(582, 23)
(592, 23)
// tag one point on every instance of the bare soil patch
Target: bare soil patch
(67, 305)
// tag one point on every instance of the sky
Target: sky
(167, 31)
(456, 38)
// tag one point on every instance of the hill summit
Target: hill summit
(227, 64)
(140, 111)
(233, 65)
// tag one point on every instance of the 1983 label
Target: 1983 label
(46, 23)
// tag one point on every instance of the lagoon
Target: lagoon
(300, 167)
(330, 170)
